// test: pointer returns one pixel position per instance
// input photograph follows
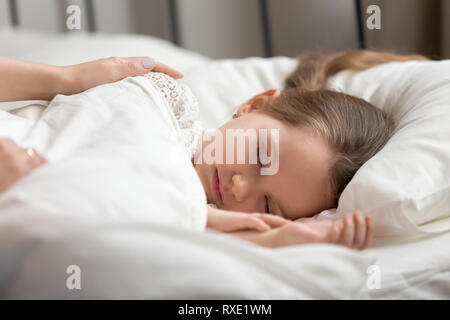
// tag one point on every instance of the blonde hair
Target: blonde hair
(353, 128)
(314, 69)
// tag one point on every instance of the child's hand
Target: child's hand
(353, 231)
(228, 221)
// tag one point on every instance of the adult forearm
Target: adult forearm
(23, 80)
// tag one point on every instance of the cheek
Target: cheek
(205, 172)
(226, 172)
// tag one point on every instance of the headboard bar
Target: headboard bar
(267, 40)
(360, 23)
(174, 23)
(13, 14)
(92, 27)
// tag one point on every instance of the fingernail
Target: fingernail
(149, 63)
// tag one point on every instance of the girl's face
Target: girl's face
(298, 189)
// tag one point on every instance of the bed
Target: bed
(137, 258)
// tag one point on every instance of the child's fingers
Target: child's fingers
(251, 222)
(348, 232)
(360, 230)
(272, 220)
(335, 232)
(369, 233)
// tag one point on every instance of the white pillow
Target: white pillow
(406, 186)
(221, 86)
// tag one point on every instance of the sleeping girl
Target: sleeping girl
(322, 137)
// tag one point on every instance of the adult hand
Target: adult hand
(16, 162)
(90, 74)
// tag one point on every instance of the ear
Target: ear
(258, 101)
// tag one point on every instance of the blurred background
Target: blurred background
(243, 28)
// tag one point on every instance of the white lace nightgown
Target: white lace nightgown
(184, 109)
(182, 106)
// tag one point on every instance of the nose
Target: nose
(239, 188)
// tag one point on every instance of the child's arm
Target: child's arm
(227, 221)
(353, 231)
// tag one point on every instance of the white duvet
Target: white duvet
(112, 152)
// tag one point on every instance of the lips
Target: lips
(216, 186)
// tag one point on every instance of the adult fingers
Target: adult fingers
(7, 144)
(18, 164)
(34, 159)
(161, 67)
(139, 66)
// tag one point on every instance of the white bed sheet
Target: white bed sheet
(418, 269)
(150, 261)
(415, 268)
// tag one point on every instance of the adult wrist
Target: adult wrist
(68, 80)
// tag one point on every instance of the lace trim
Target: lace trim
(184, 107)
